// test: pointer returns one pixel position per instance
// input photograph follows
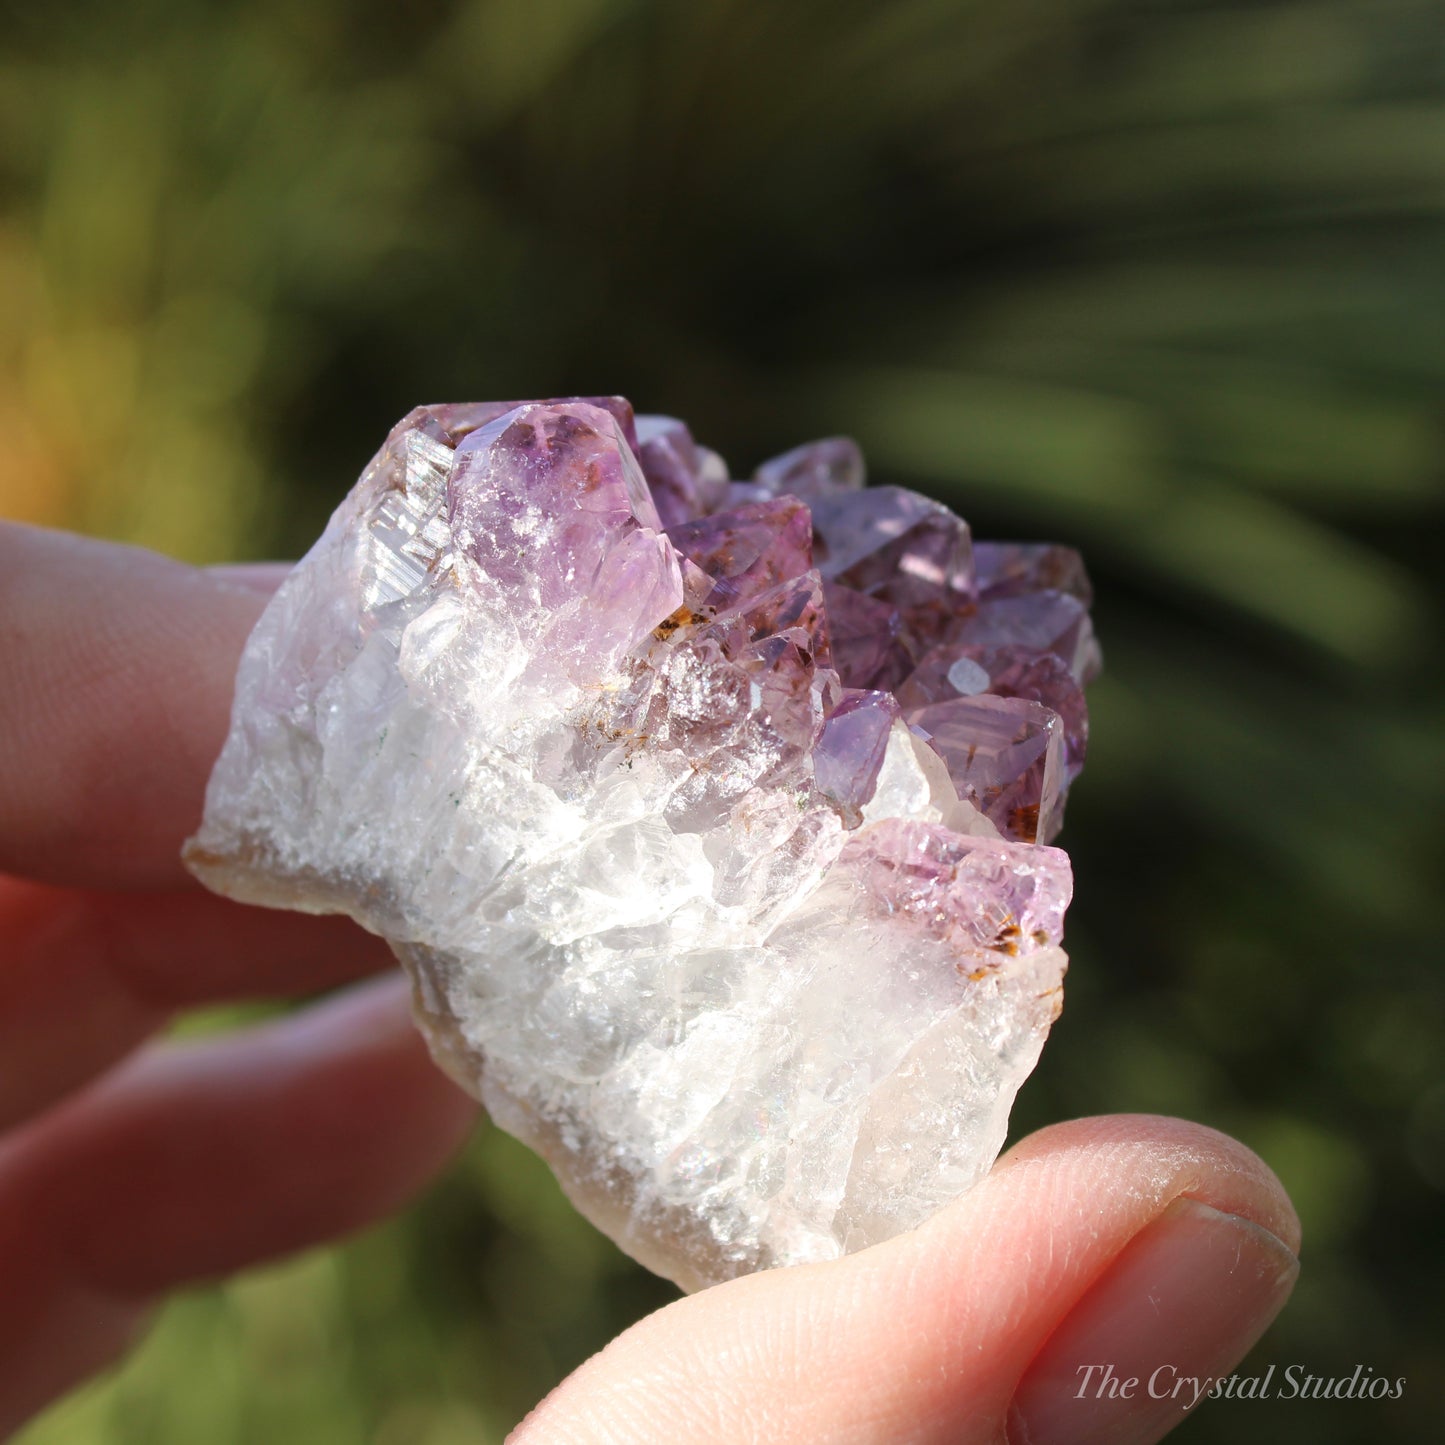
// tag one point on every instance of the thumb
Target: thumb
(1154, 1250)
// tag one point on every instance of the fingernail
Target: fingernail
(1178, 1309)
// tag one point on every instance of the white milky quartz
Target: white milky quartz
(744, 1028)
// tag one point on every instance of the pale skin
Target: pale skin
(131, 1166)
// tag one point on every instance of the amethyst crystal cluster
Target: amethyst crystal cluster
(710, 817)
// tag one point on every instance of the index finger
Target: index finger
(116, 671)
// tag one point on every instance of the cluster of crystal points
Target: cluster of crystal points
(709, 816)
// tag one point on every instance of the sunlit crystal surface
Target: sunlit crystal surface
(958, 670)
(815, 469)
(708, 816)
(1006, 569)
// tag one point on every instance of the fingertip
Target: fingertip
(259, 577)
(1151, 1158)
(1175, 1311)
(120, 667)
(1124, 1223)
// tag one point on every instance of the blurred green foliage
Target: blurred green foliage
(1161, 278)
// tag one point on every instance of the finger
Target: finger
(196, 1160)
(85, 977)
(118, 668)
(262, 577)
(1075, 1250)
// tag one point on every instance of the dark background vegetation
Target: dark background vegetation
(1161, 279)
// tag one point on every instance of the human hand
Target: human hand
(130, 1168)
